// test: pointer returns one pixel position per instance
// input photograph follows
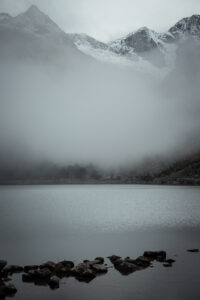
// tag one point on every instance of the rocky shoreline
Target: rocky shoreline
(156, 181)
(50, 273)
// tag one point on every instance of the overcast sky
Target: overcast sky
(108, 19)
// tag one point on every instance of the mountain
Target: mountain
(107, 53)
(4, 17)
(186, 27)
(35, 21)
(142, 42)
(183, 171)
(145, 40)
(33, 35)
(157, 48)
(83, 39)
(143, 50)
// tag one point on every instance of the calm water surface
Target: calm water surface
(40, 223)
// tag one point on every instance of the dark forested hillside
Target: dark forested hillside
(184, 171)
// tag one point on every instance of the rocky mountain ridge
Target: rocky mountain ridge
(157, 48)
(141, 49)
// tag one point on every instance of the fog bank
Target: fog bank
(72, 109)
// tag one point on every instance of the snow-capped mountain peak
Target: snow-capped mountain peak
(141, 49)
(142, 40)
(187, 26)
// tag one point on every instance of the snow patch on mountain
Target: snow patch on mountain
(144, 49)
(144, 40)
(187, 26)
(102, 52)
(83, 39)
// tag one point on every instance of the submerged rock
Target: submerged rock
(155, 255)
(128, 265)
(2, 290)
(170, 261)
(89, 269)
(126, 268)
(80, 268)
(118, 261)
(100, 268)
(54, 282)
(113, 258)
(48, 265)
(100, 259)
(7, 290)
(10, 289)
(42, 273)
(6, 279)
(39, 274)
(130, 260)
(63, 268)
(65, 263)
(2, 293)
(3, 263)
(30, 267)
(143, 261)
(90, 263)
(13, 269)
(167, 265)
(27, 278)
(88, 274)
(83, 272)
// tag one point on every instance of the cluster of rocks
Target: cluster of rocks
(6, 289)
(193, 250)
(128, 265)
(51, 273)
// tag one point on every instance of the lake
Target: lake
(76, 222)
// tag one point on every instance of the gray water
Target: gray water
(40, 223)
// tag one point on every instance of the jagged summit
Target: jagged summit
(35, 21)
(33, 10)
(143, 29)
(143, 45)
(139, 41)
(187, 26)
(142, 40)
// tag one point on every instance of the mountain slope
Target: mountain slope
(144, 50)
(104, 52)
(33, 35)
(186, 27)
(4, 18)
(35, 21)
(157, 48)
